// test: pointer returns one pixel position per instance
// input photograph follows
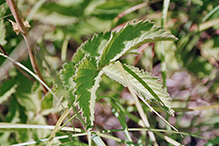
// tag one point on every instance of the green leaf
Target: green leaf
(47, 102)
(92, 47)
(144, 84)
(131, 36)
(7, 89)
(78, 56)
(102, 49)
(65, 86)
(26, 97)
(66, 75)
(87, 81)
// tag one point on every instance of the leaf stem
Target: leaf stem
(28, 40)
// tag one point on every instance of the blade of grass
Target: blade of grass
(208, 24)
(158, 114)
(163, 66)
(98, 141)
(164, 13)
(210, 13)
(49, 127)
(34, 75)
(122, 122)
(64, 49)
(30, 126)
(44, 140)
(167, 131)
(121, 117)
(163, 61)
(205, 25)
(168, 139)
(112, 138)
(59, 122)
(137, 103)
(89, 137)
(23, 72)
(163, 57)
(204, 107)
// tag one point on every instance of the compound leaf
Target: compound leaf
(91, 60)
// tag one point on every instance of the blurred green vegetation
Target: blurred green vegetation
(60, 26)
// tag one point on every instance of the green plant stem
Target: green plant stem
(28, 40)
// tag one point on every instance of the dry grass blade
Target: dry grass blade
(137, 103)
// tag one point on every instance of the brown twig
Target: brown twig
(27, 38)
(3, 50)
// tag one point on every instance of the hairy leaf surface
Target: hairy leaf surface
(144, 84)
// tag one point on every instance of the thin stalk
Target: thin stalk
(163, 60)
(15, 65)
(57, 126)
(64, 49)
(44, 140)
(35, 76)
(5, 16)
(132, 9)
(28, 40)
(79, 116)
(137, 103)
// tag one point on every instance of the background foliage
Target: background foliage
(60, 27)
